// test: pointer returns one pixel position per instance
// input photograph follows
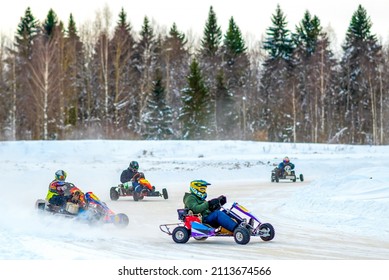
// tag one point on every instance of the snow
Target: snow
(339, 212)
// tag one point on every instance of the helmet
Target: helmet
(199, 188)
(134, 165)
(60, 175)
(286, 160)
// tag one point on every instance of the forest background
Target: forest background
(92, 81)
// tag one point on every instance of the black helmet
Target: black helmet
(134, 165)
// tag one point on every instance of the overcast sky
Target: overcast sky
(252, 16)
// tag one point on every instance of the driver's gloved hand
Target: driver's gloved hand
(222, 200)
(213, 204)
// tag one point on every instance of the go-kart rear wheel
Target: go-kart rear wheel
(121, 220)
(180, 234)
(200, 238)
(266, 232)
(164, 194)
(136, 196)
(114, 195)
(241, 235)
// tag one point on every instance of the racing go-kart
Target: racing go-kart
(92, 212)
(287, 174)
(190, 225)
(147, 190)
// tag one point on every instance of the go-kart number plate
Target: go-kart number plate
(289, 177)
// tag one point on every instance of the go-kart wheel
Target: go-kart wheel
(266, 232)
(301, 178)
(180, 234)
(200, 238)
(40, 204)
(277, 179)
(164, 194)
(113, 194)
(294, 180)
(136, 196)
(241, 235)
(121, 220)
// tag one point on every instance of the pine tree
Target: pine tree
(195, 113)
(157, 116)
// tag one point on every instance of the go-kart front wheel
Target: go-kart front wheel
(164, 194)
(113, 193)
(180, 234)
(301, 178)
(241, 235)
(266, 232)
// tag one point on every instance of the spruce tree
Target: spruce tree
(50, 23)
(307, 33)
(123, 74)
(212, 36)
(226, 116)
(195, 113)
(175, 61)
(146, 58)
(360, 71)
(157, 116)
(277, 85)
(278, 42)
(236, 67)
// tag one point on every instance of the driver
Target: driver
(209, 210)
(282, 165)
(130, 176)
(56, 193)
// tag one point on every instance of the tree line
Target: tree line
(60, 82)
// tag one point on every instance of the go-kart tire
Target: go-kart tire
(200, 238)
(113, 194)
(301, 178)
(136, 196)
(294, 180)
(121, 220)
(180, 234)
(267, 232)
(40, 204)
(241, 235)
(277, 179)
(164, 194)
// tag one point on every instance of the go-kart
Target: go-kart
(147, 190)
(191, 226)
(92, 212)
(286, 174)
